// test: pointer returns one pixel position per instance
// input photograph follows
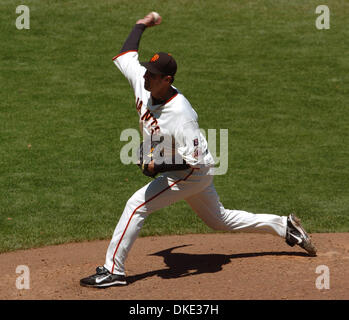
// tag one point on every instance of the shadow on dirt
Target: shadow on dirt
(185, 264)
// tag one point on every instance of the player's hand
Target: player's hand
(148, 169)
(150, 20)
(151, 167)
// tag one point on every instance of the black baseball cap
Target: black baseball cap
(161, 63)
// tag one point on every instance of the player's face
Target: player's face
(153, 82)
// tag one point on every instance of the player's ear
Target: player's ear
(169, 79)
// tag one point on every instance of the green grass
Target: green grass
(259, 68)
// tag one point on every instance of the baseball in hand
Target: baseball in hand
(151, 19)
(155, 15)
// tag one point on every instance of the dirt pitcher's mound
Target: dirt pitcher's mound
(210, 266)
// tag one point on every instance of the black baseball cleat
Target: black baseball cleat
(103, 279)
(296, 235)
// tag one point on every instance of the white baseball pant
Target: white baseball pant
(196, 187)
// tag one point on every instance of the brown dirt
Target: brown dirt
(197, 267)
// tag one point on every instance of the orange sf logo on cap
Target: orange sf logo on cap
(154, 58)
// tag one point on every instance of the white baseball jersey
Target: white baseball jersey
(175, 120)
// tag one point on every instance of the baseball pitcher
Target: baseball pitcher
(175, 154)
